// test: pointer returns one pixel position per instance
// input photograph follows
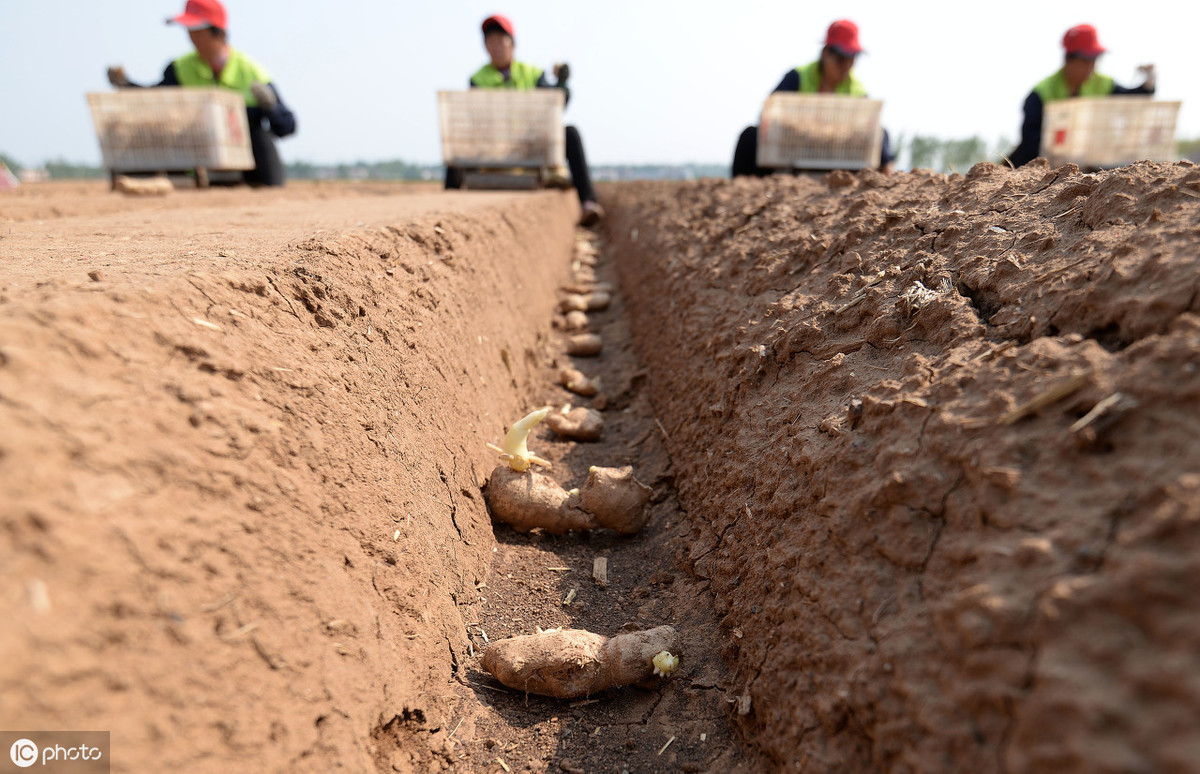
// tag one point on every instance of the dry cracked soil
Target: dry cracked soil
(924, 453)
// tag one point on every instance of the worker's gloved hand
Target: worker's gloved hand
(1147, 71)
(116, 76)
(562, 71)
(265, 96)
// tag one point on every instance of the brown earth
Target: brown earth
(243, 448)
(242, 456)
(938, 441)
(244, 438)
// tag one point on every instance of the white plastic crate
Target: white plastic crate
(172, 129)
(484, 128)
(1108, 132)
(819, 131)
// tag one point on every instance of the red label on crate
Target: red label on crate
(1060, 136)
(235, 126)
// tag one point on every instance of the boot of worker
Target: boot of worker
(590, 214)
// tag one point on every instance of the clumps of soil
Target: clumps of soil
(241, 477)
(937, 437)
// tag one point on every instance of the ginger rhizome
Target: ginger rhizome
(516, 449)
(573, 663)
(610, 498)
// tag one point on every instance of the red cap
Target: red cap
(843, 36)
(198, 14)
(1083, 41)
(502, 22)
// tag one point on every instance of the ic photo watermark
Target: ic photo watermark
(52, 752)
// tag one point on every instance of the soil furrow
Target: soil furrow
(533, 574)
(955, 484)
(922, 448)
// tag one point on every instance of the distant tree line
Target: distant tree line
(364, 170)
(1189, 149)
(402, 170)
(606, 172)
(916, 152)
(59, 169)
(950, 155)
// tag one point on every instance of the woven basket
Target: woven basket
(172, 129)
(819, 131)
(1108, 132)
(491, 128)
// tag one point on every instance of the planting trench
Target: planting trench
(923, 452)
(243, 455)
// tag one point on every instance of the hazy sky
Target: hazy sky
(651, 81)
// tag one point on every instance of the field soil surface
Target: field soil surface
(923, 453)
(938, 441)
(243, 452)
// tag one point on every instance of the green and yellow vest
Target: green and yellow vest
(240, 71)
(1055, 87)
(810, 81)
(521, 76)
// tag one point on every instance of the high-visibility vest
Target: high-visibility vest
(240, 72)
(520, 76)
(1055, 87)
(810, 81)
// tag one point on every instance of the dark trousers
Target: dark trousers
(268, 167)
(581, 178)
(745, 155)
(577, 162)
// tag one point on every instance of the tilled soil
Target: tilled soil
(243, 453)
(937, 439)
(545, 581)
(922, 448)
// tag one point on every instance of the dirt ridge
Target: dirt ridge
(929, 567)
(228, 476)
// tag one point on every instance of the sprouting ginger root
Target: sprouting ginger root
(573, 302)
(583, 288)
(584, 345)
(616, 499)
(597, 301)
(577, 382)
(572, 663)
(665, 662)
(575, 321)
(151, 186)
(578, 424)
(516, 450)
(530, 500)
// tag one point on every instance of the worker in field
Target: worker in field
(215, 63)
(504, 72)
(832, 73)
(1077, 78)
